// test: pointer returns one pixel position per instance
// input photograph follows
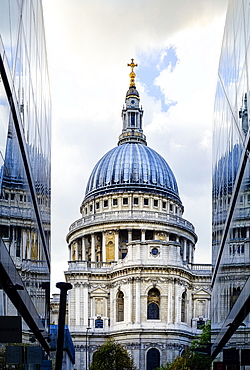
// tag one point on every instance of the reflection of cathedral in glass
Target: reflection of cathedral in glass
(24, 169)
(18, 227)
(131, 255)
(231, 192)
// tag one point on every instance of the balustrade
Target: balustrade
(128, 215)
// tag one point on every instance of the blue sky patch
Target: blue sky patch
(150, 67)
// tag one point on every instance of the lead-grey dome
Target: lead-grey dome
(132, 166)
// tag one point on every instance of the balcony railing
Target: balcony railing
(201, 268)
(87, 265)
(131, 215)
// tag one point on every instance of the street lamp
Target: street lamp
(87, 329)
(64, 287)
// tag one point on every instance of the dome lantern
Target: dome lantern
(132, 113)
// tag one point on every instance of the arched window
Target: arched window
(184, 307)
(153, 304)
(120, 306)
(153, 359)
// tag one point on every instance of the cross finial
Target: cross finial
(132, 73)
(132, 65)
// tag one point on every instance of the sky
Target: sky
(176, 45)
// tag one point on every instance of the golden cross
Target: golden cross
(132, 65)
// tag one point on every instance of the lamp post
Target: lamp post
(87, 329)
(64, 287)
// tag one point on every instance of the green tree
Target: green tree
(112, 356)
(192, 360)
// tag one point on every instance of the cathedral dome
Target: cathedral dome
(132, 166)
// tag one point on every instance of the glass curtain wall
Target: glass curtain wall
(231, 189)
(25, 149)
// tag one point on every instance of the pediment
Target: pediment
(201, 293)
(98, 292)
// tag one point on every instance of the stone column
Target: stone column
(85, 305)
(29, 246)
(170, 303)
(192, 253)
(129, 235)
(104, 257)
(176, 300)
(24, 244)
(83, 249)
(77, 250)
(93, 257)
(92, 323)
(69, 252)
(116, 245)
(138, 300)
(130, 301)
(106, 321)
(185, 251)
(143, 234)
(77, 303)
(112, 308)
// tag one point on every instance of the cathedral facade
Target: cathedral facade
(131, 255)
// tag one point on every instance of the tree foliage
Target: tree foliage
(112, 356)
(192, 360)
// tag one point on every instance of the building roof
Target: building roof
(132, 166)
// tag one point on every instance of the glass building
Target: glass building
(25, 145)
(231, 194)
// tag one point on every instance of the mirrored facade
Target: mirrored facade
(25, 145)
(231, 190)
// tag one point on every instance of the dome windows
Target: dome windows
(139, 201)
(125, 201)
(155, 202)
(136, 201)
